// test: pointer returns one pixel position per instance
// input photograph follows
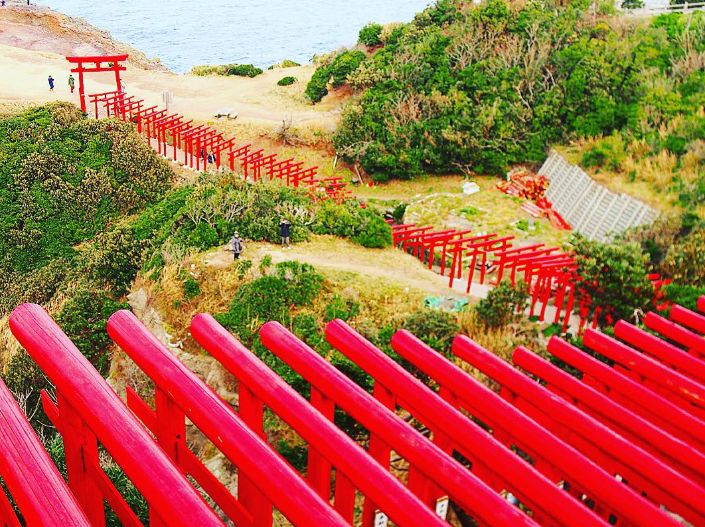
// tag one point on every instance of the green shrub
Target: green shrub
(349, 220)
(270, 298)
(317, 87)
(84, 318)
(614, 276)
(286, 81)
(684, 295)
(685, 260)
(399, 212)
(114, 257)
(203, 71)
(608, 153)
(342, 308)
(632, 4)
(375, 233)
(336, 73)
(296, 455)
(286, 63)
(370, 35)
(306, 327)
(502, 304)
(191, 288)
(436, 328)
(433, 103)
(244, 70)
(241, 70)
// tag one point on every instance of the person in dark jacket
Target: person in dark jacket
(285, 232)
(236, 245)
(51, 83)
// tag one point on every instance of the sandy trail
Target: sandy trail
(34, 42)
(333, 254)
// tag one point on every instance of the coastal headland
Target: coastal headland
(34, 41)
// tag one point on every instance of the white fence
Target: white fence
(591, 209)
(662, 9)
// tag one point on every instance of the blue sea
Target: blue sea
(186, 33)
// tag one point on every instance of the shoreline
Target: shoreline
(35, 40)
(43, 29)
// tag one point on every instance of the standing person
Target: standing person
(51, 83)
(236, 245)
(72, 83)
(285, 232)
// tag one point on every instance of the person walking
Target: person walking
(51, 83)
(285, 232)
(236, 245)
(72, 83)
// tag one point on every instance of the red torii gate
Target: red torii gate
(556, 445)
(113, 63)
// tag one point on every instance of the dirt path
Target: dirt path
(327, 253)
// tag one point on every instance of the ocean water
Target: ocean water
(186, 33)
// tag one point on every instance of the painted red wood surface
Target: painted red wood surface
(96, 406)
(255, 461)
(34, 482)
(638, 419)
(329, 447)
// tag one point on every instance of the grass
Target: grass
(487, 211)
(385, 293)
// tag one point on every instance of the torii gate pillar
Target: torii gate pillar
(113, 63)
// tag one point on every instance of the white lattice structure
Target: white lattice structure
(591, 209)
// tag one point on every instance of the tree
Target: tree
(613, 277)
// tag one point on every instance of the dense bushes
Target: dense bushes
(436, 328)
(83, 318)
(364, 226)
(613, 277)
(335, 73)
(270, 298)
(66, 186)
(482, 88)
(685, 260)
(62, 184)
(244, 70)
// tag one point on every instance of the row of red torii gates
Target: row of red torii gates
(550, 273)
(200, 145)
(621, 442)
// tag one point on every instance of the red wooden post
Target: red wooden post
(34, 482)
(549, 454)
(631, 394)
(642, 470)
(506, 470)
(463, 487)
(92, 399)
(81, 452)
(328, 446)
(216, 419)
